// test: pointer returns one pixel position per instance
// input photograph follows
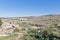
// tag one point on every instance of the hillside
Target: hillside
(45, 27)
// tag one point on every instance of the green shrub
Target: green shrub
(23, 24)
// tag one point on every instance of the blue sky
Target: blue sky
(16, 8)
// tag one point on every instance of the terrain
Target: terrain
(45, 27)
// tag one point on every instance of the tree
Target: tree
(0, 22)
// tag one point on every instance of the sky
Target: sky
(17, 8)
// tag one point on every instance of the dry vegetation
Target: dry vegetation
(31, 28)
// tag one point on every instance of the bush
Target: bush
(16, 30)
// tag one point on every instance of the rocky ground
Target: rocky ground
(15, 28)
